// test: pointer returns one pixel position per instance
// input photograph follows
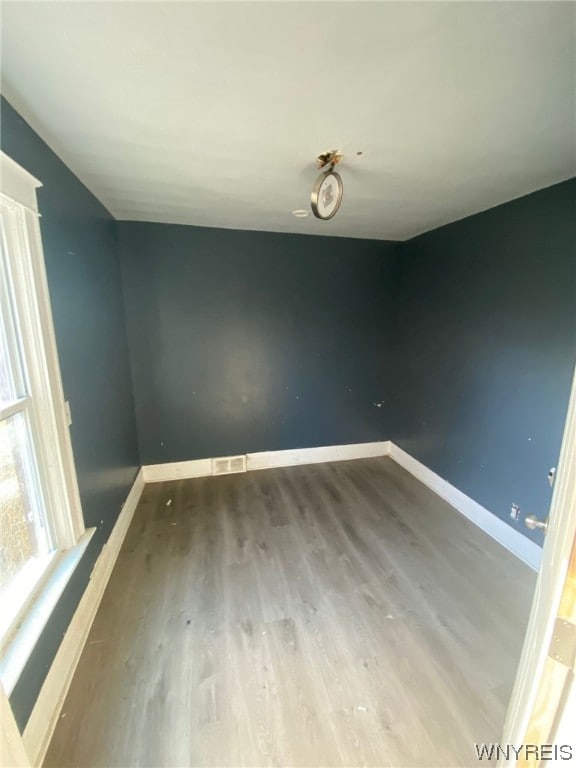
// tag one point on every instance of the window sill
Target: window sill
(19, 649)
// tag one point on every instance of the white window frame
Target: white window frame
(48, 417)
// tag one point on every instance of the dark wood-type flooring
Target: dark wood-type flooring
(326, 615)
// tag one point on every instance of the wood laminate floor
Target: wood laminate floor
(326, 615)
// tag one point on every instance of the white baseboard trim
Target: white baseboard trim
(177, 470)
(183, 470)
(290, 458)
(44, 717)
(512, 540)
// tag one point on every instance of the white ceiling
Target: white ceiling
(212, 113)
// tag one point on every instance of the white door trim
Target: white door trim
(549, 586)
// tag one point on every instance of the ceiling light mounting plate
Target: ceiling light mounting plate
(331, 158)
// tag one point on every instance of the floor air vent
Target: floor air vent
(228, 465)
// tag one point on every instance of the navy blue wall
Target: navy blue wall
(485, 339)
(253, 341)
(80, 247)
(458, 345)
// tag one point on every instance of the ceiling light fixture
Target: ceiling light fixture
(328, 189)
(300, 213)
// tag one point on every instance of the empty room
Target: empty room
(288, 412)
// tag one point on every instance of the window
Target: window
(40, 512)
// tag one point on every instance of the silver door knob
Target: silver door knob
(533, 523)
